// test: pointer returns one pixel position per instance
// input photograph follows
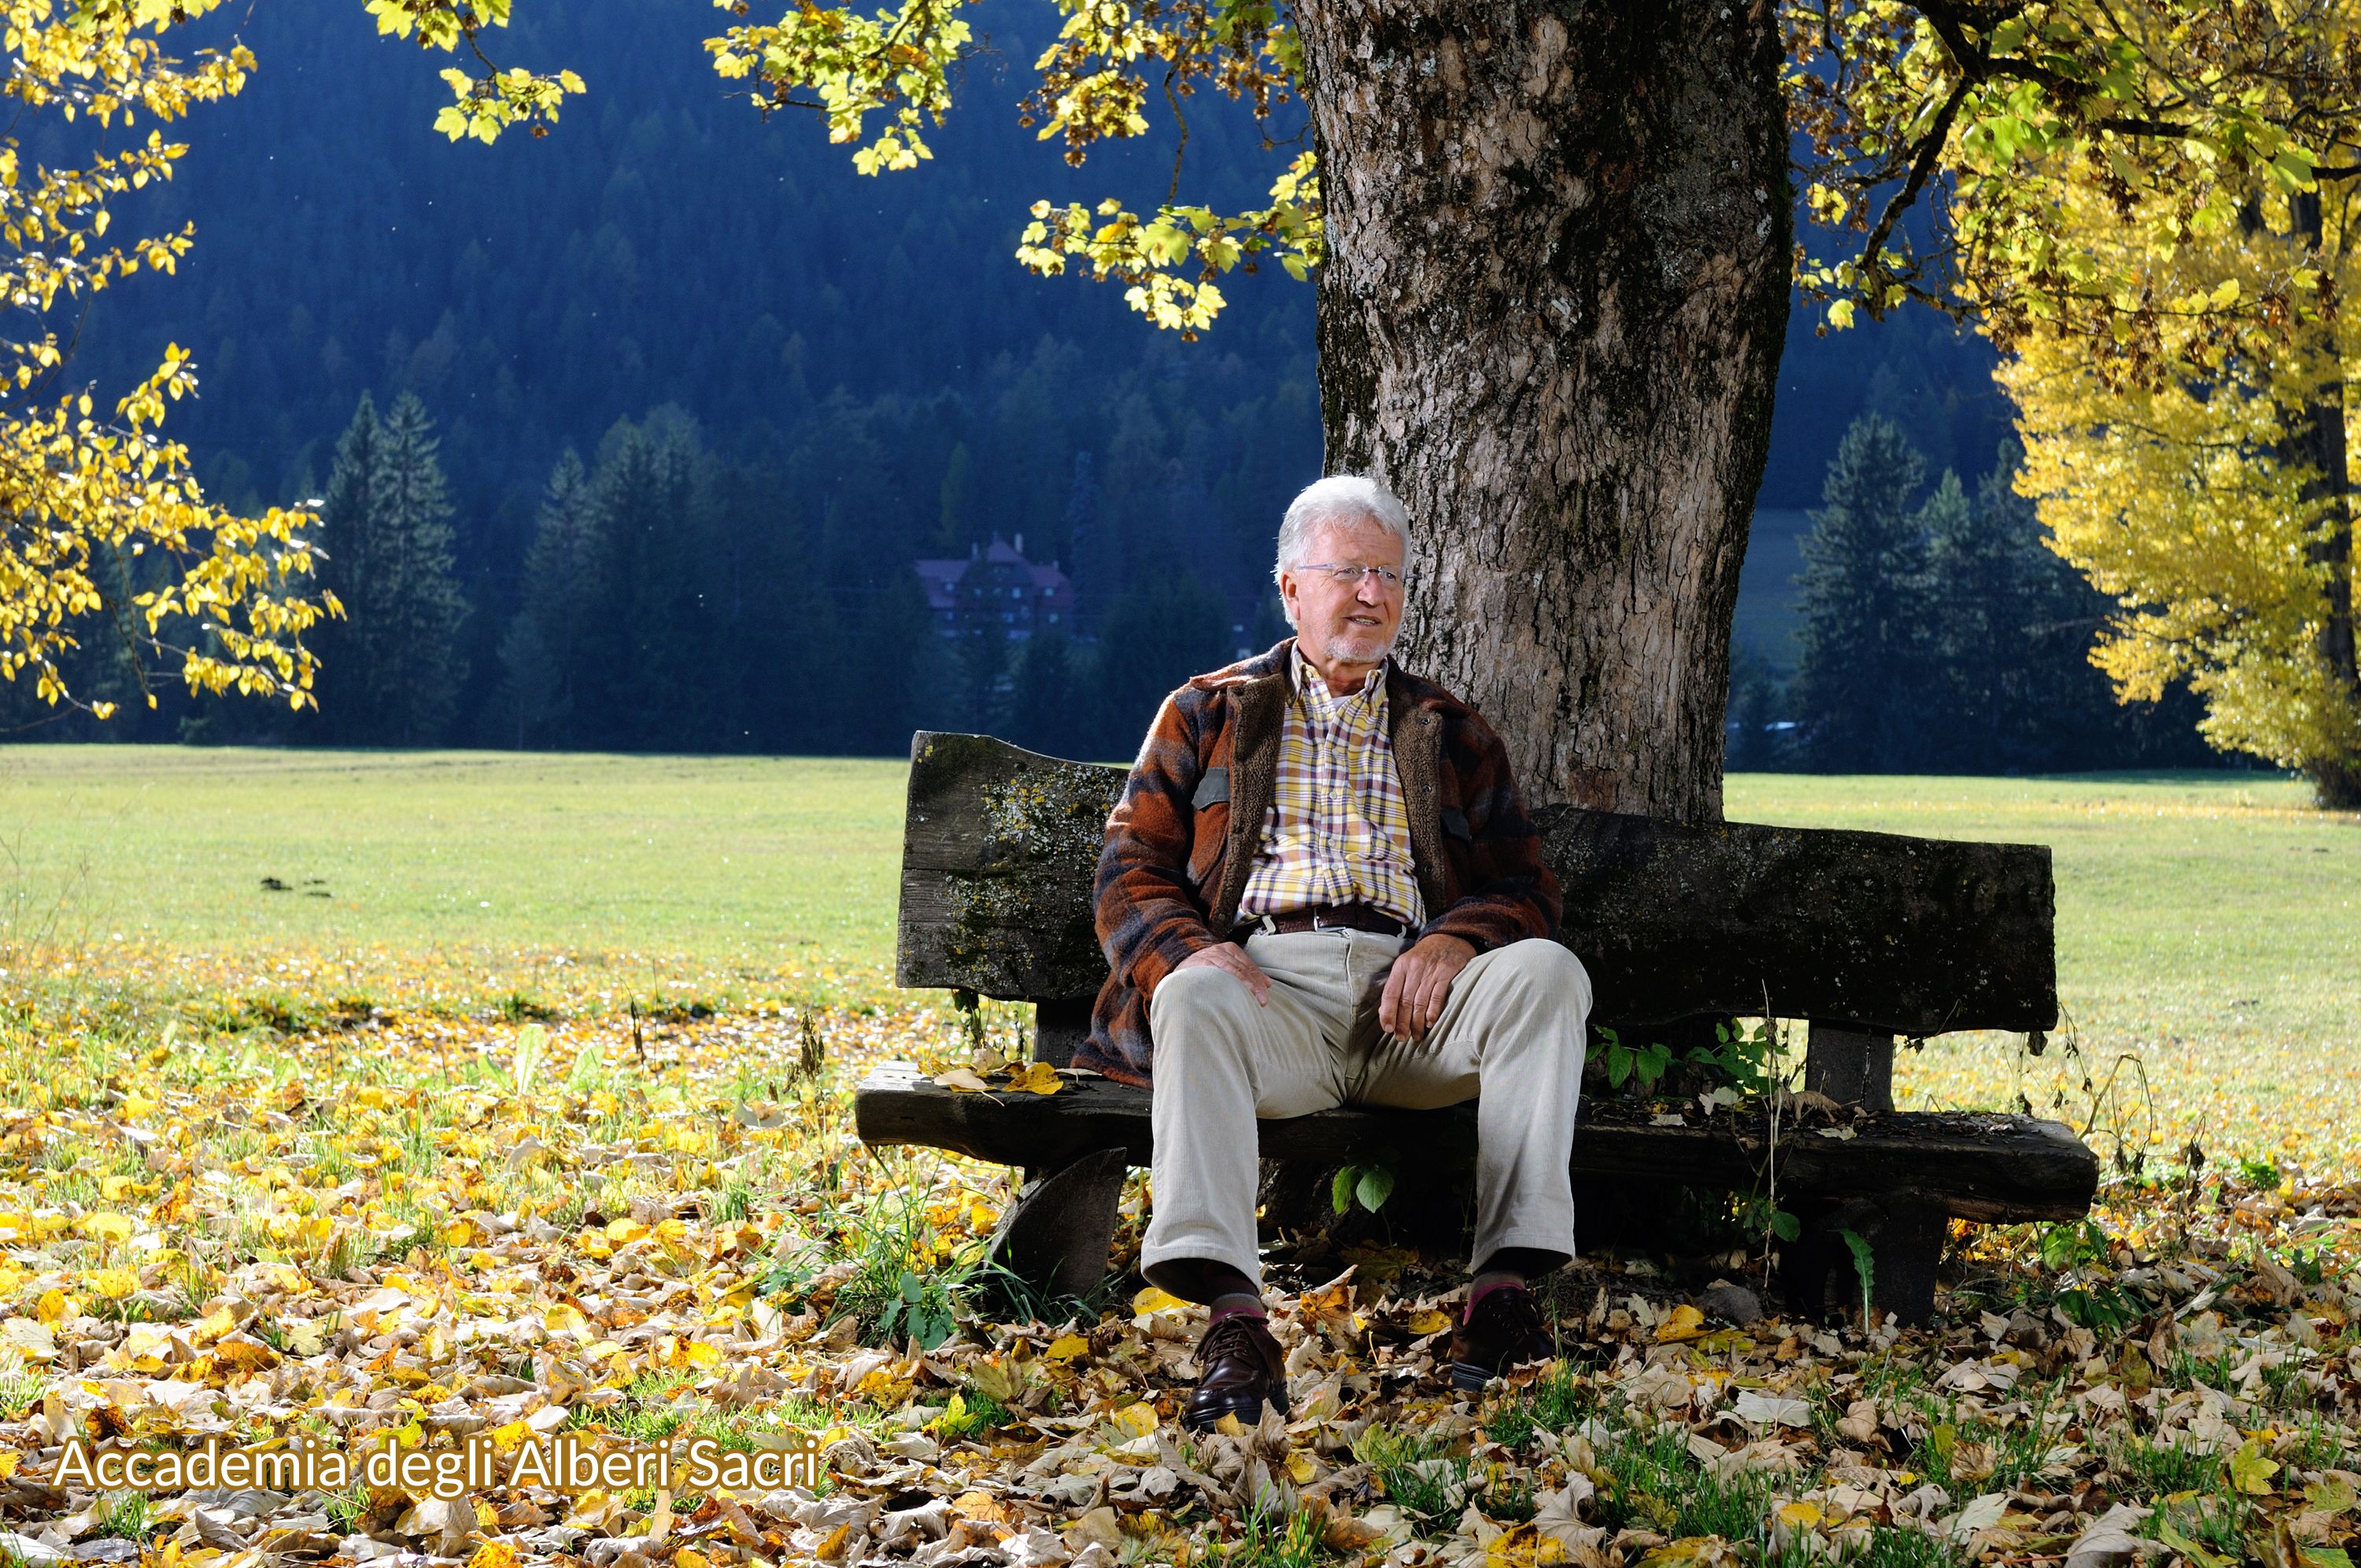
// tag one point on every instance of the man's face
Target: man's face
(1352, 623)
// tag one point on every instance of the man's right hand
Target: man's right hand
(1231, 959)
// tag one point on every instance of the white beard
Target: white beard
(1358, 648)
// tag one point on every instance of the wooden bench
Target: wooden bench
(1868, 935)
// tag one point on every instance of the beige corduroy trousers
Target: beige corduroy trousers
(1511, 1032)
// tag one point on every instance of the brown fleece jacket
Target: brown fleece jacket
(1184, 837)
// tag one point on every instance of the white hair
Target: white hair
(1340, 498)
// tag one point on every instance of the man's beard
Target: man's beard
(1359, 647)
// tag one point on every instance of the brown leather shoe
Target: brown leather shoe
(1239, 1367)
(1504, 1329)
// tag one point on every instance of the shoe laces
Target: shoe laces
(1241, 1331)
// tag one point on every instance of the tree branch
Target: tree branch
(1930, 152)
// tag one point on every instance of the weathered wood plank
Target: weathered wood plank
(1894, 934)
(1989, 1167)
(1889, 934)
(999, 849)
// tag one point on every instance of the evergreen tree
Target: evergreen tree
(348, 572)
(530, 694)
(657, 694)
(2013, 629)
(1861, 689)
(1049, 709)
(1756, 699)
(562, 587)
(900, 677)
(1161, 632)
(408, 619)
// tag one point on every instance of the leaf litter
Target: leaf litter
(435, 1222)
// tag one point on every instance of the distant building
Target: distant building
(1000, 584)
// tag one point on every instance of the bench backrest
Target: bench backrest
(1886, 933)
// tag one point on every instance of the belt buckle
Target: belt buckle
(1316, 920)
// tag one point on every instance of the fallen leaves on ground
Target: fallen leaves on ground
(657, 1225)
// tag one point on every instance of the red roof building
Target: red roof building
(998, 584)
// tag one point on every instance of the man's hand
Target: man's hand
(1231, 959)
(1420, 985)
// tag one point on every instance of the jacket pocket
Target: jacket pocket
(1213, 789)
(1454, 823)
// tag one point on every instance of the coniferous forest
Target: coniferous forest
(629, 437)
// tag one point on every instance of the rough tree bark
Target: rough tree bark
(1551, 317)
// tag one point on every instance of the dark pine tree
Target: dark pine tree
(1164, 630)
(657, 695)
(1047, 709)
(1862, 688)
(347, 571)
(560, 595)
(408, 621)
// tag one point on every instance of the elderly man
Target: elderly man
(1321, 888)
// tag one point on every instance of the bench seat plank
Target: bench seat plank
(1984, 1167)
(1875, 931)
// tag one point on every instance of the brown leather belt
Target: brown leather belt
(1326, 917)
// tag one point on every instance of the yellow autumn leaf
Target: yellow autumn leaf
(1428, 1322)
(108, 1227)
(1135, 1420)
(115, 1284)
(1040, 1077)
(1686, 1323)
(962, 1079)
(559, 1318)
(1803, 1516)
(115, 1189)
(2330, 1497)
(1067, 1347)
(2251, 1469)
(1155, 1300)
(53, 1307)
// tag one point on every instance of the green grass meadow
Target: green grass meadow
(478, 870)
(2209, 958)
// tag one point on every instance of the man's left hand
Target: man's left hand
(1421, 985)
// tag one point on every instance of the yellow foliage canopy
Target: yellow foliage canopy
(2183, 500)
(101, 519)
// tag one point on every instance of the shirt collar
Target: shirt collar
(1312, 688)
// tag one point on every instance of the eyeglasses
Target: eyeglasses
(1350, 573)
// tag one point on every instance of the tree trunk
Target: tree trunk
(2319, 445)
(1550, 318)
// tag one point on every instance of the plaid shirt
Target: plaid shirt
(1337, 830)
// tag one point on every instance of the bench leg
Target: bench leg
(1904, 1232)
(1850, 1066)
(1059, 1028)
(1056, 1234)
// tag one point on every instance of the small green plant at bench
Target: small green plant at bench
(1743, 1059)
(1644, 1063)
(1864, 1264)
(1369, 1183)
